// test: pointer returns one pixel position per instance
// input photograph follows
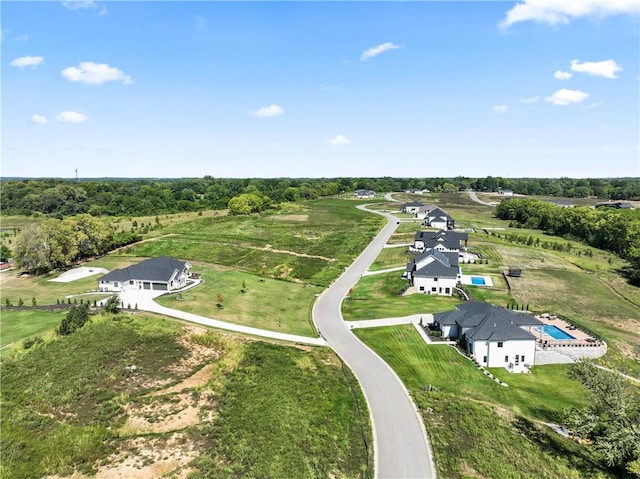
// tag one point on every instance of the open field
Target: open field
(195, 403)
(274, 305)
(474, 423)
(307, 242)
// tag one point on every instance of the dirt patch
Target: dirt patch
(291, 217)
(269, 248)
(198, 379)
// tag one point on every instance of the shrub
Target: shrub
(76, 318)
(30, 342)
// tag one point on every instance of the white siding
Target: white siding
(426, 284)
(488, 353)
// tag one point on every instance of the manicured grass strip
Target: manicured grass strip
(285, 412)
(19, 325)
(274, 305)
(377, 296)
(391, 258)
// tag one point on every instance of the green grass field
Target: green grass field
(308, 242)
(376, 296)
(274, 305)
(475, 423)
(16, 326)
(263, 410)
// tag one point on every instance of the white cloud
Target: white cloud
(72, 117)
(95, 74)
(566, 97)
(39, 119)
(531, 99)
(268, 111)
(560, 75)
(85, 5)
(500, 108)
(27, 62)
(605, 68)
(375, 51)
(554, 12)
(338, 140)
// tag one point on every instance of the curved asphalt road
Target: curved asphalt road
(400, 442)
(474, 197)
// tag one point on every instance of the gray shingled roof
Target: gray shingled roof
(154, 269)
(485, 321)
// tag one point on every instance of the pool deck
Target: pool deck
(581, 338)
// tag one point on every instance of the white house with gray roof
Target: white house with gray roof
(161, 274)
(495, 337)
(438, 218)
(434, 272)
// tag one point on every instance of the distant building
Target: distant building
(412, 207)
(415, 192)
(505, 192)
(364, 193)
(621, 205)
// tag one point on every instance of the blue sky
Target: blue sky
(543, 88)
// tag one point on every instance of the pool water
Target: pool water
(555, 332)
(477, 280)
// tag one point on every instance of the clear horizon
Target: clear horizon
(169, 90)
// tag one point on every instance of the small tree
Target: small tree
(20, 302)
(244, 286)
(76, 318)
(220, 301)
(34, 303)
(111, 305)
(7, 302)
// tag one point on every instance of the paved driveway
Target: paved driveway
(401, 446)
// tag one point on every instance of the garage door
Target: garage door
(159, 286)
(146, 285)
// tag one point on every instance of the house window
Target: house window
(484, 359)
(506, 359)
(116, 284)
(421, 288)
(434, 289)
(522, 358)
(435, 279)
(500, 344)
(447, 290)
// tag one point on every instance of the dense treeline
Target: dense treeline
(55, 243)
(114, 197)
(609, 229)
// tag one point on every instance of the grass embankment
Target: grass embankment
(228, 407)
(477, 427)
(309, 242)
(269, 304)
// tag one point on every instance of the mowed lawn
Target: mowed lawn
(377, 296)
(18, 325)
(267, 303)
(479, 428)
(543, 394)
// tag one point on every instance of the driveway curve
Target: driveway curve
(474, 197)
(401, 446)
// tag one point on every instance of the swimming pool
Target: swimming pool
(555, 332)
(477, 280)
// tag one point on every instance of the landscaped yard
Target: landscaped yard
(19, 325)
(267, 303)
(474, 423)
(377, 296)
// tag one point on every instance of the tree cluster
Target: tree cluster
(55, 243)
(142, 197)
(609, 229)
(612, 419)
